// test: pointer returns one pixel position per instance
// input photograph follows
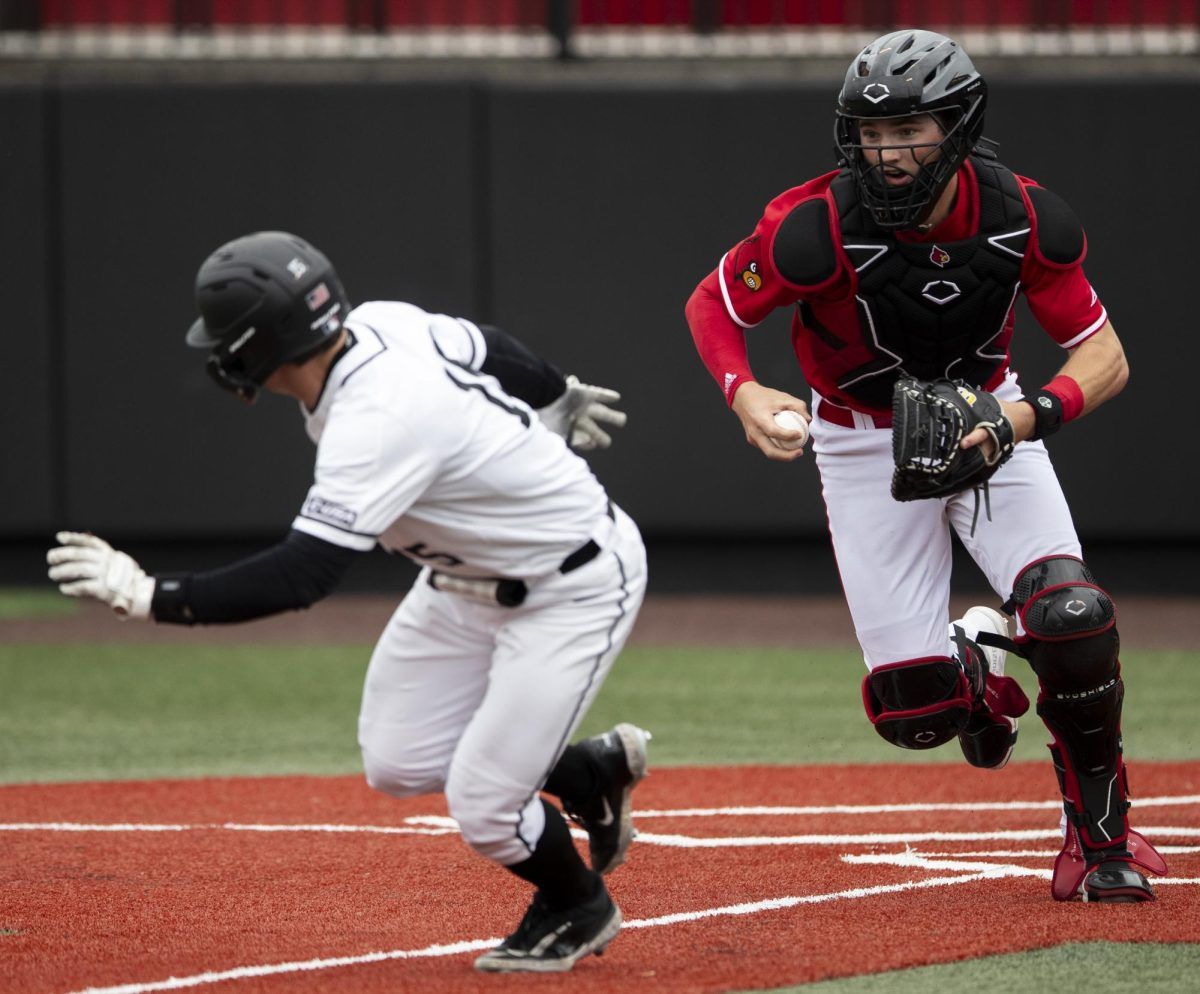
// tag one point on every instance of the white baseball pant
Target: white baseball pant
(479, 700)
(895, 557)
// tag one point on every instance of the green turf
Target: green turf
(22, 602)
(1108, 967)
(125, 711)
(120, 711)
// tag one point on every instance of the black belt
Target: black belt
(512, 593)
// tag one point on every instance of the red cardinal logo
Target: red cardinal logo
(939, 256)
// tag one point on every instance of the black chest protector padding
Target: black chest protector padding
(803, 251)
(1060, 235)
(933, 309)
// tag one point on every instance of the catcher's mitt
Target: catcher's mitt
(929, 420)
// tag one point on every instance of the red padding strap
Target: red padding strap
(1066, 390)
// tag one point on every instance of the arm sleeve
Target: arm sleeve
(521, 373)
(292, 575)
(720, 341)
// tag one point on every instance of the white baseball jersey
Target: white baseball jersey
(420, 452)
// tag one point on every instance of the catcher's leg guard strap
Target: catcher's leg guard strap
(990, 733)
(918, 703)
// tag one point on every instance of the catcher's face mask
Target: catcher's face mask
(908, 74)
(902, 164)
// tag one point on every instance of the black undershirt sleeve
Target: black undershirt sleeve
(522, 374)
(294, 574)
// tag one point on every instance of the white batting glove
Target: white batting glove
(579, 412)
(86, 566)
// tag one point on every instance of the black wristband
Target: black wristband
(172, 601)
(1047, 413)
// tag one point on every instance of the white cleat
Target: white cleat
(985, 619)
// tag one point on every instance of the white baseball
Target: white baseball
(791, 421)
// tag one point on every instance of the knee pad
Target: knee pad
(918, 703)
(1071, 637)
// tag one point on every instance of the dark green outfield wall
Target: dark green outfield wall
(579, 218)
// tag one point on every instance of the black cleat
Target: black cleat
(549, 941)
(987, 740)
(1114, 881)
(619, 755)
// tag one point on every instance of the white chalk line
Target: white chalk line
(882, 838)
(910, 859)
(442, 825)
(758, 811)
(1046, 853)
(301, 966)
(472, 945)
(447, 826)
(74, 826)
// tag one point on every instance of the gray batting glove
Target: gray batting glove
(86, 566)
(578, 414)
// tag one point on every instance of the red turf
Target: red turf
(100, 909)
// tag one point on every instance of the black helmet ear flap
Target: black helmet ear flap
(226, 381)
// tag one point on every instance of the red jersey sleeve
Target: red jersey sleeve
(719, 340)
(747, 284)
(1059, 294)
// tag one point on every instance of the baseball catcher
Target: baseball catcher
(901, 269)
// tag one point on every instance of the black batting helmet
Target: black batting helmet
(264, 299)
(904, 74)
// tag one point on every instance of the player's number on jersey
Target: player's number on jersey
(466, 378)
(418, 551)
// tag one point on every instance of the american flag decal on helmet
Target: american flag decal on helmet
(317, 296)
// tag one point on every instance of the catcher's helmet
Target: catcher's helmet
(904, 74)
(264, 299)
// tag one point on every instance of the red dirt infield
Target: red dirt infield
(742, 877)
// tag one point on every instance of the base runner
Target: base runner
(434, 440)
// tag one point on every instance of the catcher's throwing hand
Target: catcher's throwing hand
(936, 438)
(1020, 414)
(756, 407)
(578, 414)
(86, 566)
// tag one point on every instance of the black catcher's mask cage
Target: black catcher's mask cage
(901, 75)
(265, 300)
